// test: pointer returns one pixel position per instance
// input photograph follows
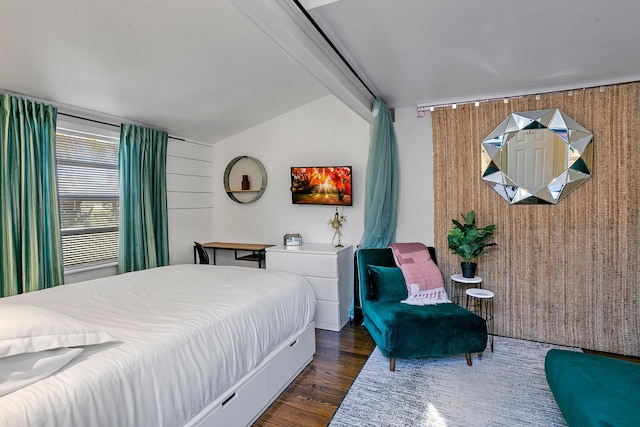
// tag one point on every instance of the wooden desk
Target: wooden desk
(257, 251)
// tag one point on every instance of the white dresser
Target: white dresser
(330, 271)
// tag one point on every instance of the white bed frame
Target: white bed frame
(243, 403)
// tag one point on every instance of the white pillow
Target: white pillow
(30, 329)
(23, 369)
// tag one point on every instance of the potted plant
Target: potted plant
(469, 241)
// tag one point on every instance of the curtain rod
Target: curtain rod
(108, 124)
(335, 49)
(422, 108)
(58, 106)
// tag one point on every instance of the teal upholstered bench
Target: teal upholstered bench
(409, 331)
(593, 390)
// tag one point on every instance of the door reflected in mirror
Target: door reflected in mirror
(537, 157)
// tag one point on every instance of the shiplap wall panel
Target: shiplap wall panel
(189, 150)
(189, 197)
(189, 183)
(188, 226)
(189, 167)
(180, 200)
(565, 273)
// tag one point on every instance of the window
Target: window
(88, 192)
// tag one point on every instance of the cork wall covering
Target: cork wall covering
(568, 273)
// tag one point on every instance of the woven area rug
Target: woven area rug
(505, 388)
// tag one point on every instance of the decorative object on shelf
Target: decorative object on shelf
(336, 223)
(321, 185)
(537, 157)
(469, 241)
(258, 167)
(292, 240)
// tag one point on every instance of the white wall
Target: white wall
(324, 132)
(416, 198)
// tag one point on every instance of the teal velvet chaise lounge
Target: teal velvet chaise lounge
(593, 390)
(410, 331)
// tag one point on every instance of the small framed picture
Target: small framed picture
(292, 240)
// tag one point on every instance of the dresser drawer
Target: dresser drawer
(324, 288)
(328, 315)
(330, 272)
(303, 263)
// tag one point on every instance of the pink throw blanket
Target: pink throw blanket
(423, 277)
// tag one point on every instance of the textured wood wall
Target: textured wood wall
(568, 273)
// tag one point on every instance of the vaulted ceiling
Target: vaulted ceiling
(446, 51)
(201, 69)
(204, 70)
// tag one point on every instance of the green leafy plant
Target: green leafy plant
(468, 240)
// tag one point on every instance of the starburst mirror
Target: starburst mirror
(537, 157)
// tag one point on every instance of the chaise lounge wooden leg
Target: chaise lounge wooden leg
(468, 356)
(392, 364)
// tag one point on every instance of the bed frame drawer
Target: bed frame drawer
(296, 355)
(239, 407)
(245, 402)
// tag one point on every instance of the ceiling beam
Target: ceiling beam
(287, 26)
(312, 4)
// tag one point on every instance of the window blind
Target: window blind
(89, 196)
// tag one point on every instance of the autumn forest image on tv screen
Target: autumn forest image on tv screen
(321, 185)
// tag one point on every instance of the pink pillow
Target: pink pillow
(422, 276)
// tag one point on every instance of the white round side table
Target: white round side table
(461, 283)
(480, 301)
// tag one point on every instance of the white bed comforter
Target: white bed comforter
(186, 333)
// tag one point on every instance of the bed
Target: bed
(184, 345)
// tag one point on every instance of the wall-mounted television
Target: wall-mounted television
(321, 185)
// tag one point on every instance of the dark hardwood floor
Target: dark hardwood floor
(634, 359)
(314, 396)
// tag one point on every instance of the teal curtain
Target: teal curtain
(30, 242)
(142, 165)
(381, 186)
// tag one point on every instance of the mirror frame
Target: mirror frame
(571, 139)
